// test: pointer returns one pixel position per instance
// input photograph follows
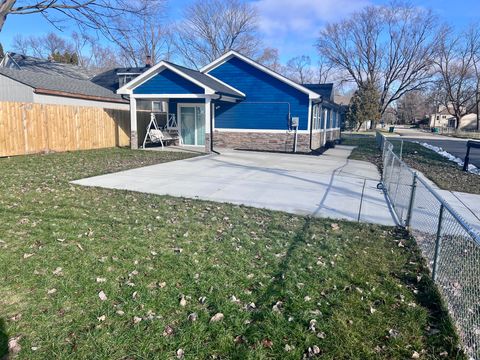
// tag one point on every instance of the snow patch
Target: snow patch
(471, 168)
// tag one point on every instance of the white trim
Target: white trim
(224, 58)
(164, 96)
(133, 122)
(225, 84)
(154, 70)
(208, 115)
(260, 131)
(179, 120)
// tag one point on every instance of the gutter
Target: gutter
(78, 96)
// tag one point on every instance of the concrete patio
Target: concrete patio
(328, 185)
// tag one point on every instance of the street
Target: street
(455, 146)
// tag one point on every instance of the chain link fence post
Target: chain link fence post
(412, 199)
(437, 243)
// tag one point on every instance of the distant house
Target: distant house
(443, 119)
(29, 79)
(234, 102)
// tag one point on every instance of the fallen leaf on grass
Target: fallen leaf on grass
(311, 352)
(168, 331)
(267, 343)
(101, 280)
(102, 296)
(180, 354)
(183, 301)
(217, 317)
(277, 307)
(136, 319)
(289, 348)
(101, 318)
(415, 355)
(192, 317)
(335, 226)
(51, 291)
(58, 271)
(26, 256)
(14, 346)
(16, 317)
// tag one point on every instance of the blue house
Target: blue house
(235, 102)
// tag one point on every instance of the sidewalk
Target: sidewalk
(465, 204)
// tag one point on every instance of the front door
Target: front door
(192, 124)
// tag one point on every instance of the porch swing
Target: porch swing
(155, 134)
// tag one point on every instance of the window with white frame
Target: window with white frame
(159, 106)
(316, 117)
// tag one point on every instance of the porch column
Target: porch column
(133, 123)
(325, 115)
(208, 117)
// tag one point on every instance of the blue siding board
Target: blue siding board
(257, 111)
(168, 82)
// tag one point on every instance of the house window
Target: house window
(438, 117)
(316, 117)
(123, 79)
(159, 106)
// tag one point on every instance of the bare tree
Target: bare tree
(298, 69)
(458, 71)
(140, 36)
(270, 58)
(211, 28)
(88, 14)
(324, 71)
(42, 46)
(392, 46)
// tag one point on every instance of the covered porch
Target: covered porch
(174, 105)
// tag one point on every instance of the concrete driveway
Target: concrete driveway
(329, 185)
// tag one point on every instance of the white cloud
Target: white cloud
(293, 25)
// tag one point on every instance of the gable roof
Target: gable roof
(205, 81)
(24, 62)
(325, 90)
(110, 79)
(53, 84)
(227, 56)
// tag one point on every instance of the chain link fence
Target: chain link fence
(448, 243)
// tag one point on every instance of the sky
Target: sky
(291, 26)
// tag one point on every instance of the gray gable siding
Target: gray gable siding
(11, 90)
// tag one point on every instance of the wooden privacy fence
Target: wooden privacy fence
(27, 128)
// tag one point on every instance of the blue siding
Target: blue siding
(168, 82)
(255, 112)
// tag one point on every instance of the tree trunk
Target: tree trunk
(5, 8)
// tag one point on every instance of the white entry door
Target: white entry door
(192, 123)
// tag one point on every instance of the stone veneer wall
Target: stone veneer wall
(268, 141)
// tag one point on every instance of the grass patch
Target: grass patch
(443, 172)
(61, 245)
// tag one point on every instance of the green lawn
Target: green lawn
(97, 274)
(443, 172)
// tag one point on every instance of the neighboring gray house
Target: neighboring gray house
(28, 79)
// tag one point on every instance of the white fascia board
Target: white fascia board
(154, 70)
(171, 96)
(225, 84)
(225, 57)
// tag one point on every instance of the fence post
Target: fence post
(401, 150)
(437, 243)
(412, 199)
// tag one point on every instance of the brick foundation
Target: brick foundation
(268, 141)
(133, 140)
